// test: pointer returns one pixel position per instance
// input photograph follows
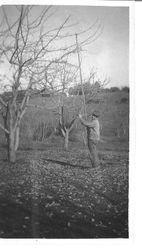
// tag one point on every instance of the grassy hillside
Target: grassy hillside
(113, 107)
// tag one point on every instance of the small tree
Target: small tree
(64, 75)
(65, 126)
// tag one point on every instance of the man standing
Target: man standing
(93, 136)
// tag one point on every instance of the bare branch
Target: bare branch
(3, 102)
(40, 18)
(53, 38)
(71, 125)
(9, 27)
(4, 129)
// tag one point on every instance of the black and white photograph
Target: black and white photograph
(64, 121)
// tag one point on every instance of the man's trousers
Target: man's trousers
(92, 146)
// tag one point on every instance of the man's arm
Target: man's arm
(86, 123)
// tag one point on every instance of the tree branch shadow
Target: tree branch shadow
(63, 163)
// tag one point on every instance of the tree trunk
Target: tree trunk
(6, 122)
(67, 139)
(17, 132)
(12, 119)
(11, 147)
(13, 136)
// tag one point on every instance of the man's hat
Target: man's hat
(96, 113)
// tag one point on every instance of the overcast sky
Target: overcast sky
(110, 52)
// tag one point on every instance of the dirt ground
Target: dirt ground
(54, 193)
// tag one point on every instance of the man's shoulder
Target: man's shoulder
(95, 122)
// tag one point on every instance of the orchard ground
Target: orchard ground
(54, 193)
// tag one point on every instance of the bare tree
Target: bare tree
(59, 81)
(66, 123)
(31, 50)
(67, 76)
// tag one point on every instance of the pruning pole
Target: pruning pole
(80, 72)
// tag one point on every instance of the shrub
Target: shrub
(124, 100)
(93, 101)
(125, 89)
(114, 89)
(42, 131)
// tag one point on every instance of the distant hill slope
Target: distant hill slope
(113, 107)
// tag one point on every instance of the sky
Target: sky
(109, 54)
